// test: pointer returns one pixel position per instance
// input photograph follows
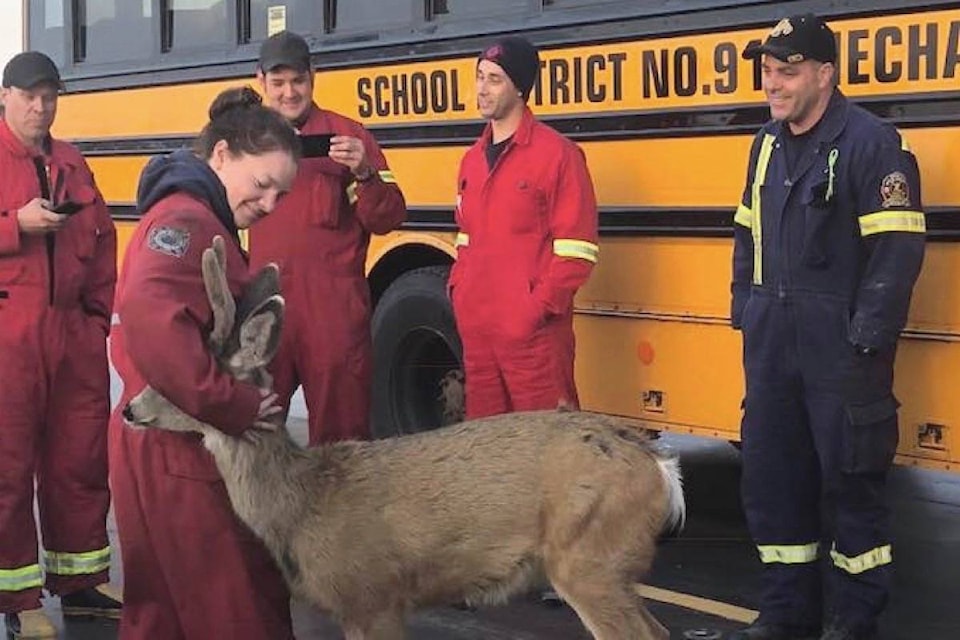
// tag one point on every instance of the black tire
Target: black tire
(415, 348)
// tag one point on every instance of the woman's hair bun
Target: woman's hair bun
(238, 98)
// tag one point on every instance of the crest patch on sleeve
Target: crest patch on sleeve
(169, 240)
(894, 191)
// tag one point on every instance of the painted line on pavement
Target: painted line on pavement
(696, 603)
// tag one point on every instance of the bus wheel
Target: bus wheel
(417, 355)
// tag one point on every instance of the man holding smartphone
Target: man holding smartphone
(319, 234)
(57, 273)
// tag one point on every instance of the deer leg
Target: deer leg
(609, 608)
(386, 625)
(600, 587)
(654, 628)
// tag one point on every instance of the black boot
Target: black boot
(93, 602)
(838, 630)
(773, 631)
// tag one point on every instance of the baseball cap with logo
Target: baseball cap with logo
(795, 39)
(30, 68)
(284, 49)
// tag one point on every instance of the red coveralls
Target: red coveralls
(528, 241)
(191, 568)
(318, 235)
(56, 299)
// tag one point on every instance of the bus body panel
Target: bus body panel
(665, 110)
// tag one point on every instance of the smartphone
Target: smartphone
(315, 145)
(66, 208)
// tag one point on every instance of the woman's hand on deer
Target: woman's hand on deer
(270, 414)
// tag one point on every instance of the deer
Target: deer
(372, 531)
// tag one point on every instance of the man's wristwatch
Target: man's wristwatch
(365, 174)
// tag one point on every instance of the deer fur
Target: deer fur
(475, 512)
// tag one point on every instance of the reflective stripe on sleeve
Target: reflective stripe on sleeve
(789, 553)
(865, 561)
(885, 221)
(385, 176)
(76, 564)
(27, 577)
(581, 249)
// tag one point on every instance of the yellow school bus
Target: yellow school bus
(658, 97)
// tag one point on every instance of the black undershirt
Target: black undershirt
(797, 146)
(495, 150)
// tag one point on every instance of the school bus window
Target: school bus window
(46, 26)
(455, 9)
(267, 17)
(570, 4)
(366, 15)
(109, 30)
(189, 24)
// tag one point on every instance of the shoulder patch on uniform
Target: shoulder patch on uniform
(169, 240)
(894, 190)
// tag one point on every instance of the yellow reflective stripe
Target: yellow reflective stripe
(744, 216)
(789, 553)
(863, 562)
(74, 564)
(352, 192)
(581, 249)
(387, 176)
(20, 579)
(245, 239)
(884, 221)
(463, 240)
(904, 145)
(759, 175)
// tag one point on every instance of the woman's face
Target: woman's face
(254, 183)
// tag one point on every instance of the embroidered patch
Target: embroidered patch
(173, 242)
(894, 191)
(783, 28)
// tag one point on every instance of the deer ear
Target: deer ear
(264, 284)
(220, 248)
(213, 267)
(260, 331)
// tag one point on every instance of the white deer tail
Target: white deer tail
(676, 506)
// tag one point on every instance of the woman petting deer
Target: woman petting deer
(366, 531)
(191, 569)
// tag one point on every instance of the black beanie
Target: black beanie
(518, 58)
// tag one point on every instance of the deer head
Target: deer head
(244, 339)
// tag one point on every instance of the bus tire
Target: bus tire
(417, 356)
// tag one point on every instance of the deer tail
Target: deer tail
(676, 506)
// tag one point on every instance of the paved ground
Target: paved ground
(712, 560)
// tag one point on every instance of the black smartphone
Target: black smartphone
(315, 145)
(66, 208)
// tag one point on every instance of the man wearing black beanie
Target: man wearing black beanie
(528, 240)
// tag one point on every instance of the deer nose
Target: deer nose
(128, 414)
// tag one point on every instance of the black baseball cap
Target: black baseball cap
(284, 49)
(30, 68)
(797, 38)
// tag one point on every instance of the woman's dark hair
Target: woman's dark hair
(238, 117)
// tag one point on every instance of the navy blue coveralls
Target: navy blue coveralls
(824, 264)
